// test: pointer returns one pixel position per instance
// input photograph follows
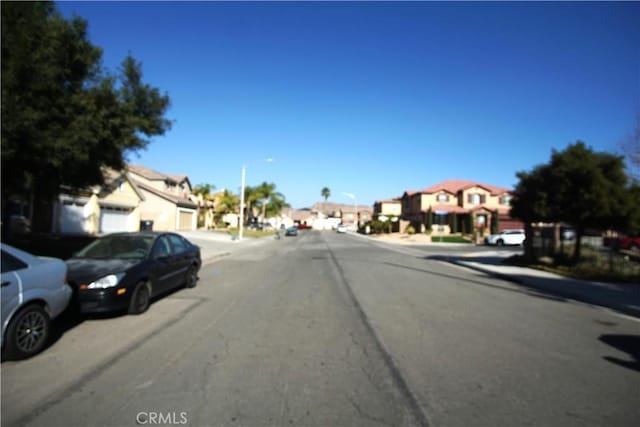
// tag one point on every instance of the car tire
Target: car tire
(140, 299)
(27, 333)
(500, 242)
(192, 277)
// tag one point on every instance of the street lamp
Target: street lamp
(355, 209)
(242, 184)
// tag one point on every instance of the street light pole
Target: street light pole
(355, 209)
(242, 184)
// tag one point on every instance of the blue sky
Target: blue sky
(375, 98)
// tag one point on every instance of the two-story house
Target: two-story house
(127, 198)
(168, 199)
(454, 206)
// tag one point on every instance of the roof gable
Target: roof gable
(453, 186)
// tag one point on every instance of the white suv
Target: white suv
(506, 237)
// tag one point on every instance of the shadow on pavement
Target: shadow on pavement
(626, 343)
(529, 291)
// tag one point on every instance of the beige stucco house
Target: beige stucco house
(390, 208)
(458, 206)
(168, 199)
(118, 207)
(127, 198)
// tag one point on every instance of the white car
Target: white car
(342, 228)
(34, 291)
(506, 237)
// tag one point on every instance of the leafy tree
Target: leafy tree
(63, 117)
(226, 202)
(578, 186)
(204, 189)
(274, 201)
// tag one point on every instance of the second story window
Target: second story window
(443, 197)
(476, 199)
(505, 200)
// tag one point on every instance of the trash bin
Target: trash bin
(146, 225)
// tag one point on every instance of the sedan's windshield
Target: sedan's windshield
(119, 247)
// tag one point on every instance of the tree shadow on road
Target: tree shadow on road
(629, 344)
(526, 291)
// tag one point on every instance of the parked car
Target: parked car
(34, 291)
(629, 243)
(123, 271)
(291, 231)
(506, 237)
(342, 228)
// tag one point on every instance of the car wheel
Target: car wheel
(192, 277)
(27, 333)
(500, 242)
(140, 299)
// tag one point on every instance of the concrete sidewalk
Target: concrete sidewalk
(215, 245)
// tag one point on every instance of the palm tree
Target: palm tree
(226, 202)
(204, 199)
(269, 199)
(326, 193)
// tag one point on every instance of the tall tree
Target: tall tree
(272, 200)
(226, 202)
(326, 193)
(64, 118)
(530, 202)
(589, 189)
(578, 186)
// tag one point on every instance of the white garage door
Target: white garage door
(113, 220)
(72, 218)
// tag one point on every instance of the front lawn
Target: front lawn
(449, 239)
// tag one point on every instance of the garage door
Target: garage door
(72, 218)
(186, 220)
(113, 220)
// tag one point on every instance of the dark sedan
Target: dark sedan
(123, 271)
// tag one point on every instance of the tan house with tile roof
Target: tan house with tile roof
(458, 206)
(168, 199)
(119, 201)
(127, 198)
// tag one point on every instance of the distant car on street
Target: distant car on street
(123, 271)
(506, 237)
(34, 291)
(291, 231)
(342, 228)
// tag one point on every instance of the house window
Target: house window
(505, 200)
(477, 199)
(443, 197)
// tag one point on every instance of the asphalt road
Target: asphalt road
(326, 329)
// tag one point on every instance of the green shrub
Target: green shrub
(410, 230)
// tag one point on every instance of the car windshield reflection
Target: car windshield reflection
(118, 247)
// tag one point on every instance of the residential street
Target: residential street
(329, 329)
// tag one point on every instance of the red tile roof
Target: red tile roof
(454, 185)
